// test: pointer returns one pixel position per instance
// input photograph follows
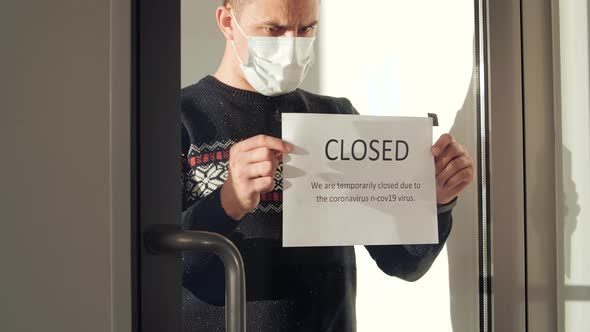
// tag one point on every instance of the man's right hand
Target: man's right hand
(252, 166)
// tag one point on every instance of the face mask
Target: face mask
(276, 65)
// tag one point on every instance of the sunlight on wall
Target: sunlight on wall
(407, 58)
(573, 162)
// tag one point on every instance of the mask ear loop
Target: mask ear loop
(231, 11)
(242, 31)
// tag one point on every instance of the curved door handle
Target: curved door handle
(162, 239)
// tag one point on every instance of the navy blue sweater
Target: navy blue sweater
(287, 289)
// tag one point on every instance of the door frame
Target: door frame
(522, 138)
(123, 258)
(155, 161)
(154, 30)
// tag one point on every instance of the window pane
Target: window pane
(402, 58)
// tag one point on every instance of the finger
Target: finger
(452, 151)
(261, 169)
(441, 144)
(453, 168)
(464, 175)
(259, 155)
(263, 184)
(264, 141)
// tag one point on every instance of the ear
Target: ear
(225, 22)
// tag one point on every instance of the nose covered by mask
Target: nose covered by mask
(276, 65)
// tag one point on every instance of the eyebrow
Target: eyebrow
(280, 26)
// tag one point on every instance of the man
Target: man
(233, 185)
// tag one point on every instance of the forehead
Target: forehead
(281, 11)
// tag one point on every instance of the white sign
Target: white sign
(358, 180)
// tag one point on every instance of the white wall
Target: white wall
(573, 163)
(199, 32)
(410, 58)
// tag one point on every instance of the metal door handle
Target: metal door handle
(162, 239)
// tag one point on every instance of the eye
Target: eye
(307, 30)
(272, 30)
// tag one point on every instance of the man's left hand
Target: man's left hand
(453, 168)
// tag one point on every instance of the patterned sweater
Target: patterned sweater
(287, 289)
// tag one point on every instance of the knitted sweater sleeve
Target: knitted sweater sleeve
(411, 262)
(206, 213)
(202, 270)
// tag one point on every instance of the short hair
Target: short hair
(233, 3)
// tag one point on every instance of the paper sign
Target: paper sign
(358, 180)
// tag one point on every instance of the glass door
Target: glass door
(388, 58)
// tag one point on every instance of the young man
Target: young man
(232, 180)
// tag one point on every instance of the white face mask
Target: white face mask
(276, 65)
